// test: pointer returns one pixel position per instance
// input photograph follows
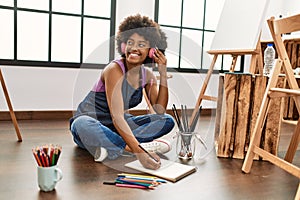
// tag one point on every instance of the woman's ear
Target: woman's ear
(151, 52)
(123, 47)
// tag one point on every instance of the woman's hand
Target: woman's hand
(149, 162)
(161, 61)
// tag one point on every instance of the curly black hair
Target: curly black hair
(143, 26)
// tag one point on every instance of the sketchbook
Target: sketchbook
(169, 170)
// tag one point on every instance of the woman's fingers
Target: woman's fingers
(149, 162)
(159, 57)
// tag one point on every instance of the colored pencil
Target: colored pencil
(47, 155)
(119, 180)
(36, 158)
(136, 181)
(51, 154)
(137, 175)
(151, 182)
(140, 177)
(125, 185)
(131, 186)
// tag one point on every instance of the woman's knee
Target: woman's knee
(169, 121)
(81, 123)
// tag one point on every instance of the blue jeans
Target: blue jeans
(89, 133)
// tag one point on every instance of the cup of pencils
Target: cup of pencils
(48, 173)
(185, 146)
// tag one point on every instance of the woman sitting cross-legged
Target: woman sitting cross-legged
(102, 124)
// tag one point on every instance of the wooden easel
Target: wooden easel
(256, 57)
(11, 111)
(233, 40)
(283, 65)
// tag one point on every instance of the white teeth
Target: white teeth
(134, 54)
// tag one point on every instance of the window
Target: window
(58, 33)
(7, 34)
(32, 38)
(190, 29)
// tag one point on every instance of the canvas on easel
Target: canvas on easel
(237, 34)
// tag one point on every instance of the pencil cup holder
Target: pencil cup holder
(48, 177)
(185, 145)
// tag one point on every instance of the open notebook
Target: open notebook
(169, 170)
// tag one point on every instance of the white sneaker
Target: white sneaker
(100, 154)
(158, 146)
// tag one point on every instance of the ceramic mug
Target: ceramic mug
(48, 177)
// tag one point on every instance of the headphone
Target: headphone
(150, 54)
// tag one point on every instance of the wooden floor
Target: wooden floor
(216, 178)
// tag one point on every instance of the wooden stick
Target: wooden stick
(11, 111)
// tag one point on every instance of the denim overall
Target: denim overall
(92, 124)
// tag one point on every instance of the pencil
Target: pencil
(148, 153)
(137, 175)
(58, 154)
(54, 157)
(142, 177)
(51, 154)
(47, 155)
(131, 186)
(36, 158)
(126, 185)
(45, 148)
(122, 181)
(151, 182)
(41, 155)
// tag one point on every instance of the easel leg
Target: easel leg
(12, 113)
(257, 61)
(293, 144)
(255, 138)
(205, 83)
(253, 65)
(297, 197)
(233, 63)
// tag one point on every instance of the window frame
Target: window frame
(112, 20)
(203, 30)
(49, 63)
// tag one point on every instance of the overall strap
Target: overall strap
(143, 76)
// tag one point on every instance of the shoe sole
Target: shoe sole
(165, 142)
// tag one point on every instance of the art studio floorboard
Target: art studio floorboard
(216, 178)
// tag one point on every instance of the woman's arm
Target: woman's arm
(159, 96)
(113, 78)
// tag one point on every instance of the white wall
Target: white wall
(284, 8)
(34, 88)
(128, 7)
(276, 8)
(62, 89)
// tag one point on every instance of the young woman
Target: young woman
(101, 124)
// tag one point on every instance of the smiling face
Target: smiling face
(137, 49)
